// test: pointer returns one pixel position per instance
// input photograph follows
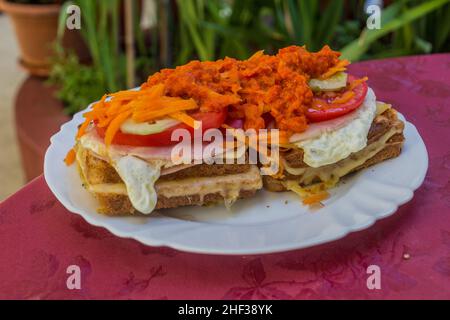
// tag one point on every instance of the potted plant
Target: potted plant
(35, 23)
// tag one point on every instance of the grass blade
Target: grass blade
(328, 22)
(307, 15)
(295, 21)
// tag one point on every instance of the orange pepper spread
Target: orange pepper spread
(275, 84)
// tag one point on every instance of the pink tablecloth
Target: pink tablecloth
(39, 239)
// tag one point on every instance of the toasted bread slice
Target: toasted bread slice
(120, 205)
(198, 185)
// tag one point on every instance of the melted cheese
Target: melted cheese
(382, 107)
(331, 147)
(108, 188)
(228, 186)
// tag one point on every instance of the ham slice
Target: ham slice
(91, 140)
(318, 128)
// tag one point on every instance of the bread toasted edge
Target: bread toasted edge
(120, 205)
(390, 151)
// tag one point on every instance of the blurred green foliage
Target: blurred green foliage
(81, 84)
(218, 28)
(408, 27)
(212, 29)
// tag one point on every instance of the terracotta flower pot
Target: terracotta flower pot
(36, 28)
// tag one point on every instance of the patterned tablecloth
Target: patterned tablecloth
(39, 239)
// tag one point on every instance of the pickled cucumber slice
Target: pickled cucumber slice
(336, 82)
(143, 129)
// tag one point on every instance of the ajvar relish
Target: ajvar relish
(275, 84)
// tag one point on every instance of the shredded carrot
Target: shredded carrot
(315, 198)
(167, 106)
(143, 106)
(104, 122)
(357, 82)
(70, 157)
(83, 127)
(340, 66)
(114, 108)
(257, 55)
(344, 98)
(183, 117)
(156, 91)
(126, 95)
(114, 126)
(282, 135)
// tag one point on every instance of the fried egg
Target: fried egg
(139, 177)
(333, 146)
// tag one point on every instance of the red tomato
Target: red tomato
(326, 110)
(209, 120)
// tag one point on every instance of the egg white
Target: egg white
(139, 177)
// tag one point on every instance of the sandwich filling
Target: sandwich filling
(144, 176)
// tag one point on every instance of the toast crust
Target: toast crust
(120, 205)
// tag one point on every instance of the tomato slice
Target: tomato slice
(209, 120)
(324, 109)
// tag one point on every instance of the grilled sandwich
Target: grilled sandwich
(329, 124)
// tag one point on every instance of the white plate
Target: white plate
(269, 222)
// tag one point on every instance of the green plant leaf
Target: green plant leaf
(329, 21)
(443, 32)
(307, 14)
(356, 49)
(62, 18)
(296, 24)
